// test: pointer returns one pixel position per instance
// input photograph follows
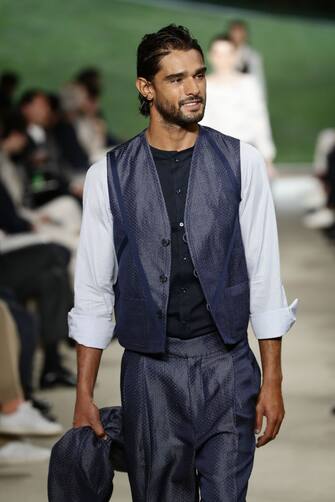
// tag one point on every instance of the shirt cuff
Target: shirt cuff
(91, 331)
(274, 323)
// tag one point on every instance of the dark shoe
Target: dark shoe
(60, 377)
(40, 404)
(44, 407)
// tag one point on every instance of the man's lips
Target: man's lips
(192, 104)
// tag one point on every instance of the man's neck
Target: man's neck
(170, 136)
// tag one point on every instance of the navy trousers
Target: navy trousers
(188, 420)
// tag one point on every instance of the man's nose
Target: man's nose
(191, 86)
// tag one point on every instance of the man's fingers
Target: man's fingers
(98, 429)
(278, 424)
(268, 433)
(258, 420)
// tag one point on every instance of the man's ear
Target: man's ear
(144, 87)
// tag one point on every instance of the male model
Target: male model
(179, 237)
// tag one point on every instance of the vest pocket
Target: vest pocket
(237, 303)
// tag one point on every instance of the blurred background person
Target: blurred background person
(247, 59)
(18, 417)
(235, 105)
(91, 79)
(321, 214)
(38, 273)
(57, 220)
(43, 159)
(9, 81)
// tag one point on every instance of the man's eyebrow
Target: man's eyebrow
(203, 69)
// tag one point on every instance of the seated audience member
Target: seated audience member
(27, 330)
(91, 128)
(73, 156)
(322, 215)
(39, 272)
(42, 158)
(17, 415)
(91, 79)
(57, 220)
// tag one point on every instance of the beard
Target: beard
(175, 114)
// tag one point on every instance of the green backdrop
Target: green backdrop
(47, 42)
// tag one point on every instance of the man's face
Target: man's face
(179, 88)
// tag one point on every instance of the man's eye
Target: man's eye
(178, 79)
(200, 75)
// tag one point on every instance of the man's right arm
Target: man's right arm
(86, 412)
(91, 321)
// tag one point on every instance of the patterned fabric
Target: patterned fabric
(189, 419)
(141, 227)
(81, 467)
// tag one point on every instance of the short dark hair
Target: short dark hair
(28, 97)
(154, 46)
(90, 78)
(9, 79)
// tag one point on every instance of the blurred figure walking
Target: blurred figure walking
(235, 105)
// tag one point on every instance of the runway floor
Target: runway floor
(299, 465)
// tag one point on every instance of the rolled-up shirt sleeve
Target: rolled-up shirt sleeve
(270, 314)
(91, 321)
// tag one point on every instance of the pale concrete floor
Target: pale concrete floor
(299, 466)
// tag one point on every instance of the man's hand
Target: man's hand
(269, 404)
(87, 413)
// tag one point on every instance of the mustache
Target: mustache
(197, 99)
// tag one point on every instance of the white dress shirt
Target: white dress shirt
(91, 320)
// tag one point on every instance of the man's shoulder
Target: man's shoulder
(123, 147)
(96, 170)
(221, 137)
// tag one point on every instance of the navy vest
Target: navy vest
(142, 232)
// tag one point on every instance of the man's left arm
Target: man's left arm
(270, 315)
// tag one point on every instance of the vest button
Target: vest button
(195, 273)
(208, 307)
(184, 238)
(165, 242)
(163, 278)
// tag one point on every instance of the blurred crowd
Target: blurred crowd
(47, 142)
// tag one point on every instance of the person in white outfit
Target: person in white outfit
(235, 103)
(248, 60)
